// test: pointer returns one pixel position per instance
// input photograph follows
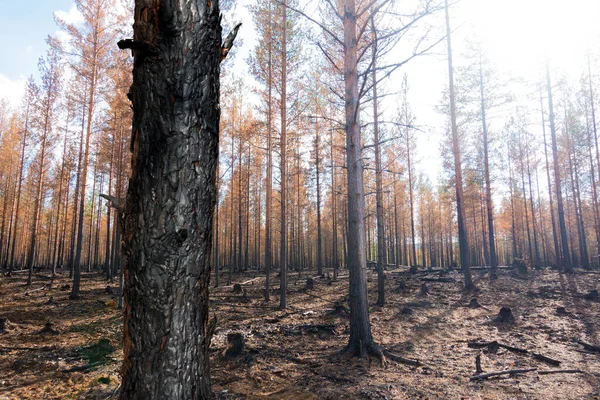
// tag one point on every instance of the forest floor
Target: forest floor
(295, 353)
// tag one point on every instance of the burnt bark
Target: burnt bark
(168, 216)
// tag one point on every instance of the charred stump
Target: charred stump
(310, 284)
(520, 265)
(237, 288)
(592, 295)
(402, 287)
(48, 329)
(505, 316)
(235, 345)
(475, 303)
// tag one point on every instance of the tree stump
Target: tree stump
(413, 269)
(235, 345)
(592, 295)
(310, 284)
(474, 303)
(505, 316)
(406, 311)
(48, 328)
(340, 310)
(561, 311)
(402, 287)
(237, 288)
(520, 265)
(424, 290)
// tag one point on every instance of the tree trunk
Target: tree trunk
(488, 188)
(361, 339)
(551, 202)
(463, 240)
(283, 161)
(566, 259)
(269, 184)
(319, 235)
(378, 179)
(167, 230)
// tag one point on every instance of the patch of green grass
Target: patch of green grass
(104, 379)
(98, 352)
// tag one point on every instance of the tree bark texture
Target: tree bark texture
(361, 338)
(167, 221)
(460, 211)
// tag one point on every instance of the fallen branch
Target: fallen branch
(507, 372)
(490, 268)
(402, 360)
(442, 280)
(545, 359)
(561, 371)
(85, 367)
(589, 347)
(494, 345)
(42, 348)
(35, 290)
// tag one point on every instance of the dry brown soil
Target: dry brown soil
(295, 353)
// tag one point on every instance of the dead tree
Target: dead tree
(168, 212)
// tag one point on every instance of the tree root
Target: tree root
(402, 360)
(362, 350)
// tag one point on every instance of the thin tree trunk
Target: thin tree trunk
(566, 259)
(551, 202)
(462, 229)
(269, 183)
(283, 160)
(488, 188)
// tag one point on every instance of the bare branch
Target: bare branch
(228, 43)
(320, 25)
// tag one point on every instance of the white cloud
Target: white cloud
(12, 90)
(73, 16)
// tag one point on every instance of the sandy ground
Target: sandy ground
(295, 353)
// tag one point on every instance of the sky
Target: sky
(517, 34)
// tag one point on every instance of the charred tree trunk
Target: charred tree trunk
(168, 216)
(378, 180)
